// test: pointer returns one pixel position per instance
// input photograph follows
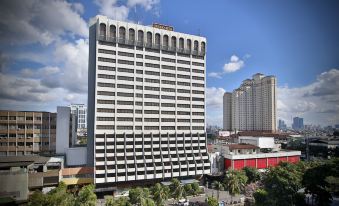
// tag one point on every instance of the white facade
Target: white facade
(146, 102)
(262, 142)
(80, 112)
(252, 106)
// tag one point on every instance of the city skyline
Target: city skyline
(44, 59)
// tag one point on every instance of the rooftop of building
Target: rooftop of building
(242, 146)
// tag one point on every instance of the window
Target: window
(198, 92)
(139, 71)
(151, 96)
(184, 83)
(152, 57)
(198, 113)
(124, 94)
(102, 30)
(131, 37)
(105, 110)
(126, 54)
(196, 46)
(102, 127)
(124, 127)
(122, 33)
(107, 68)
(105, 51)
(167, 128)
(152, 73)
(183, 127)
(184, 120)
(183, 62)
(198, 99)
(198, 64)
(198, 106)
(173, 42)
(183, 69)
(151, 111)
(139, 64)
(167, 74)
(125, 86)
(168, 82)
(106, 76)
(183, 76)
(184, 105)
(167, 67)
(167, 104)
(101, 84)
(167, 97)
(189, 45)
(197, 85)
(152, 65)
(105, 118)
(139, 56)
(125, 78)
(125, 111)
(140, 37)
(168, 112)
(198, 78)
(167, 119)
(183, 113)
(152, 88)
(101, 59)
(198, 120)
(120, 102)
(102, 101)
(113, 31)
(167, 90)
(125, 70)
(154, 104)
(120, 61)
(151, 128)
(198, 128)
(104, 93)
(165, 41)
(183, 91)
(167, 60)
(152, 80)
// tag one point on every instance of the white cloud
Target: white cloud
(25, 22)
(317, 102)
(120, 11)
(214, 105)
(234, 64)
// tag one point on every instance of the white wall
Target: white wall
(62, 131)
(262, 142)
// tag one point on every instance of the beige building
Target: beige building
(27, 133)
(252, 106)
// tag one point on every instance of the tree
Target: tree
(252, 174)
(138, 195)
(261, 198)
(177, 189)
(218, 186)
(195, 188)
(160, 194)
(282, 184)
(121, 201)
(86, 196)
(147, 202)
(211, 201)
(188, 189)
(235, 182)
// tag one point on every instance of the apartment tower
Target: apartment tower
(146, 102)
(27, 133)
(252, 106)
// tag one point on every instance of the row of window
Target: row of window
(130, 119)
(106, 76)
(125, 127)
(121, 61)
(131, 111)
(153, 104)
(149, 96)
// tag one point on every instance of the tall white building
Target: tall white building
(252, 106)
(80, 112)
(146, 102)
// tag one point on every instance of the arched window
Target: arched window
(102, 30)
(189, 45)
(122, 33)
(165, 41)
(181, 43)
(203, 49)
(196, 45)
(131, 35)
(157, 39)
(112, 31)
(173, 42)
(140, 36)
(149, 38)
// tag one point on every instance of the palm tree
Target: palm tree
(160, 194)
(177, 189)
(235, 182)
(218, 186)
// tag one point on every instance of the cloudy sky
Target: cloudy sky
(44, 49)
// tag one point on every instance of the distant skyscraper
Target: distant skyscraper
(298, 123)
(80, 112)
(282, 125)
(146, 102)
(252, 106)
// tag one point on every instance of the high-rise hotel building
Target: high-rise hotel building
(146, 102)
(252, 106)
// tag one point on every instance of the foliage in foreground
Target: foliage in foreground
(211, 201)
(60, 196)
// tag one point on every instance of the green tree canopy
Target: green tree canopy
(252, 174)
(211, 201)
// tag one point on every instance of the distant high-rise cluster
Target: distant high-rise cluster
(298, 123)
(252, 106)
(282, 125)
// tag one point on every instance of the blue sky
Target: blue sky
(44, 55)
